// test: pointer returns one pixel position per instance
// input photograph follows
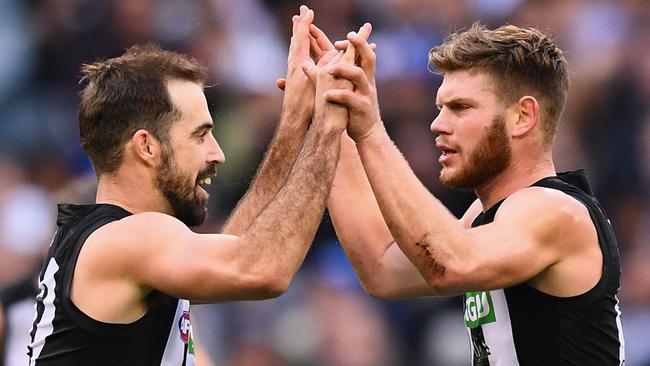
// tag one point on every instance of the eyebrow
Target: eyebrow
(204, 126)
(459, 100)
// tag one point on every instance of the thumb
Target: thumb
(281, 83)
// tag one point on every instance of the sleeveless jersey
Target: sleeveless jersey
(520, 325)
(64, 335)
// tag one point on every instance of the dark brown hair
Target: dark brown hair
(520, 61)
(128, 93)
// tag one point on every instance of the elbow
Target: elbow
(442, 287)
(380, 292)
(265, 285)
(373, 283)
(275, 287)
(452, 281)
(385, 295)
(375, 291)
(383, 288)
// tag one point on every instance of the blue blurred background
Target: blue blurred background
(325, 318)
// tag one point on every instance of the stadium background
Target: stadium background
(325, 318)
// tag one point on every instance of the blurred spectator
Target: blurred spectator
(26, 227)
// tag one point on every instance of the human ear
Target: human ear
(526, 112)
(145, 147)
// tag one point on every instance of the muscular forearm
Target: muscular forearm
(422, 226)
(281, 235)
(383, 269)
(297, 110)
(357, 219)
(273, 170)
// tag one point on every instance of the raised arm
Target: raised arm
(297, 110)
(451, 258)
(384, 271)
(170, 258)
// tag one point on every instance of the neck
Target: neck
(518, 175)
(131, 192)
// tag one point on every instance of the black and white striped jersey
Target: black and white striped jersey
(63, 335)
(523, 326)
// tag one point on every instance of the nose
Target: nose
(440, 125)
(215, 154)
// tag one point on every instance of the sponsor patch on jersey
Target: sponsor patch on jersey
(185, 326)
(479, 309)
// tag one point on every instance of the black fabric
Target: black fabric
(578, 330)
(77, 339)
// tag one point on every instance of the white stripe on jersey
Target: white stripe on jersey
(44, 327)
(621, 350)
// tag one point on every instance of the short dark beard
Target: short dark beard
(491, 156)
(180, 192)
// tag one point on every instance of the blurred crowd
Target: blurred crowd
(325, 318)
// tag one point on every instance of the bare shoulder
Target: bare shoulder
(548, 201)
(109, 248)
(551, 215)
(145, 234)
(150, 223)
(142, 228)
(135, 237)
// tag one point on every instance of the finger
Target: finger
(321, 38)
(336, 58)
(327, 58)
(310, 71)
(341, 45)
(299, 46)
(352, 73)
(364, 31)
(350, 51)
(309, 17)
(304, 20)
(314, 49)
(366, 55)
(345, 97)
(294, 22)
(281, 84)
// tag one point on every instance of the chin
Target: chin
(447, 178)
(456, 181)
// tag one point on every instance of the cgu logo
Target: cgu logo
(478, 309)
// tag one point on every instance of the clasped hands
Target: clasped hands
(332, 84)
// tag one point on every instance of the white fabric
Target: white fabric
(45, 326)
(175, 348)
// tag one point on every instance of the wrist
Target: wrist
(295, 114)
(375, 130)
(327, 129)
